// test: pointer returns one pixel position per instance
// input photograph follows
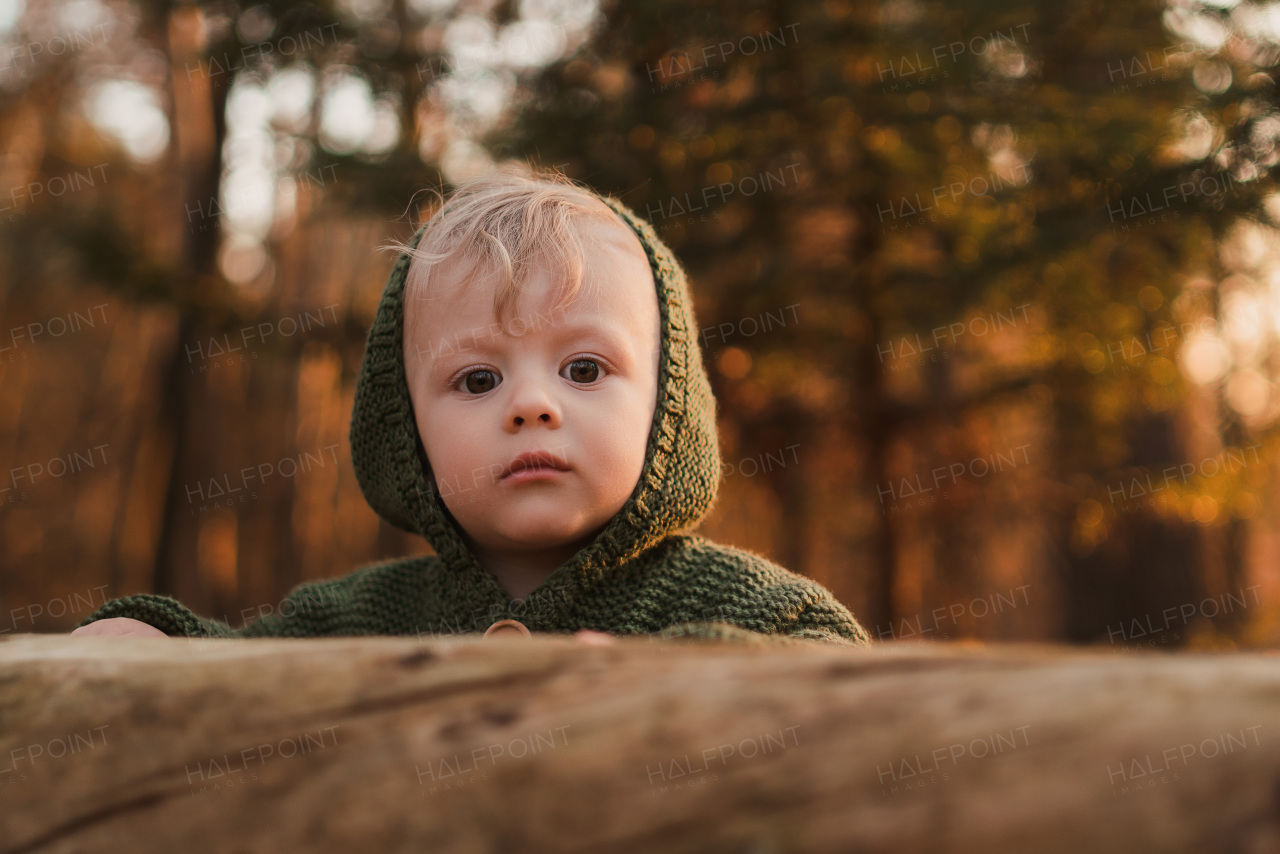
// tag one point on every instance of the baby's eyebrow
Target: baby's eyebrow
(607, 331)
(441, 350)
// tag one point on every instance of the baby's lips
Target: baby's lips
(534, 459)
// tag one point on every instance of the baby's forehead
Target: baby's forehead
(605, 246)
(602, 234)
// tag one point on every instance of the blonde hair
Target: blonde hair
(506, 222)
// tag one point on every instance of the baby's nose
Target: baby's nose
(532, 402)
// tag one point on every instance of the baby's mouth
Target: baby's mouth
(531, 465)
(534, 473)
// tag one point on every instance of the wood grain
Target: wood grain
(463, 745)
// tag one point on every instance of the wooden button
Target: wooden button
(508, 629)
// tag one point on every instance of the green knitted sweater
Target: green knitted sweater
(645, 573)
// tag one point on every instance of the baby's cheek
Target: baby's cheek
(628, 454)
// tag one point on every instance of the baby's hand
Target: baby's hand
(120, 627)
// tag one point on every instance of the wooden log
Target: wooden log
(464, 745)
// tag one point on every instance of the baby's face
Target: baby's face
(577, 386)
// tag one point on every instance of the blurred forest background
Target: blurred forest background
(989, 291)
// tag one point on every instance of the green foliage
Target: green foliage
(952, 159)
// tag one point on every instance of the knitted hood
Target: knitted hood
(681, 472)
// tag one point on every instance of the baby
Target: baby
(533, 402)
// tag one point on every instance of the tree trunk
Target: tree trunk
(389, 744)
(1147, 560)
(198, 116)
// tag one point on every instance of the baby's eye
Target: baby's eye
(583, 370)
(478, 382)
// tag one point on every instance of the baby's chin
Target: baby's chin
(537, 528)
